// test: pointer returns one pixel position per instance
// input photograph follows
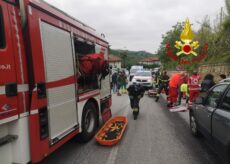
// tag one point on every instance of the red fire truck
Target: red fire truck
(45, 98)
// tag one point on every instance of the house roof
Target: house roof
(150, 59)
(113, 58)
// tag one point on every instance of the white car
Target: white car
(225, 80)
(144, 78)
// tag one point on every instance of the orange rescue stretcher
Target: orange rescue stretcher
(112, 131)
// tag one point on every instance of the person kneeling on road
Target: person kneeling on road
(163, 84)
(135, 92)
(173, 89)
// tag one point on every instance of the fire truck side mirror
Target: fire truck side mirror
(41, 90)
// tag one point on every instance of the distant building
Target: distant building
(150, 61)
(114, 61)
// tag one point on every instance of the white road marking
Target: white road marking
(113, 153)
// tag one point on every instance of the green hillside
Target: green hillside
(130, 57)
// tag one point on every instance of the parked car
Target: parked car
(144, 78)
(210, 116)
(225, 80)
(133, 70)
(155, 71)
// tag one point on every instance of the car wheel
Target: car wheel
(89, 122)
(193, 126)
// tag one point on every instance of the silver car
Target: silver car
(144, 78)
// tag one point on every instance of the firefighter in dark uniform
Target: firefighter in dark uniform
(135, 91)
(163, 84)
(156, 79)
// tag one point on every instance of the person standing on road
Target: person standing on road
(135, 92)
(163, 84)
(114, 82)
(182, 87)
(119, 83)
(156, 79)
(207, 83)
(123, 80)
(223, 77)
(183, 91)
(194, 86)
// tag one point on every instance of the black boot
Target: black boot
(157, 98)
(169, 105)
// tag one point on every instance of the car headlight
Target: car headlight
(134, 80)
(149, 81)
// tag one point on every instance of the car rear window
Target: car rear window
(2, 34)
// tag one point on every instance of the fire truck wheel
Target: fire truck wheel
(89, 122)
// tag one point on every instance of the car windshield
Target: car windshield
(143, 74)
(133, 70)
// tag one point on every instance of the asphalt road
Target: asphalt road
(156, 137)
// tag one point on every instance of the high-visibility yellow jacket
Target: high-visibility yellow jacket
(184, 88)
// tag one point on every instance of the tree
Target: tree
(222, 40)
(217, 38)
(170, 37)
(123, 56)
(205, 35)
(227, 3)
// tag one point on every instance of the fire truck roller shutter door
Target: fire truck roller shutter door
(60, 79)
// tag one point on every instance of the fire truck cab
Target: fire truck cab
(45, 98)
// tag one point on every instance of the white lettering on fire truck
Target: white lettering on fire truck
(5, 67)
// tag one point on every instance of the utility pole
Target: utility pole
(221, 15)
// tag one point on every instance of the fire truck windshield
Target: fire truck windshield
(2, 35)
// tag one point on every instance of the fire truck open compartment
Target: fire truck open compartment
(86, 82)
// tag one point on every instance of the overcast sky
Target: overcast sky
(138, 24)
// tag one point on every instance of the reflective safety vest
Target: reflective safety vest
(184, 89)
